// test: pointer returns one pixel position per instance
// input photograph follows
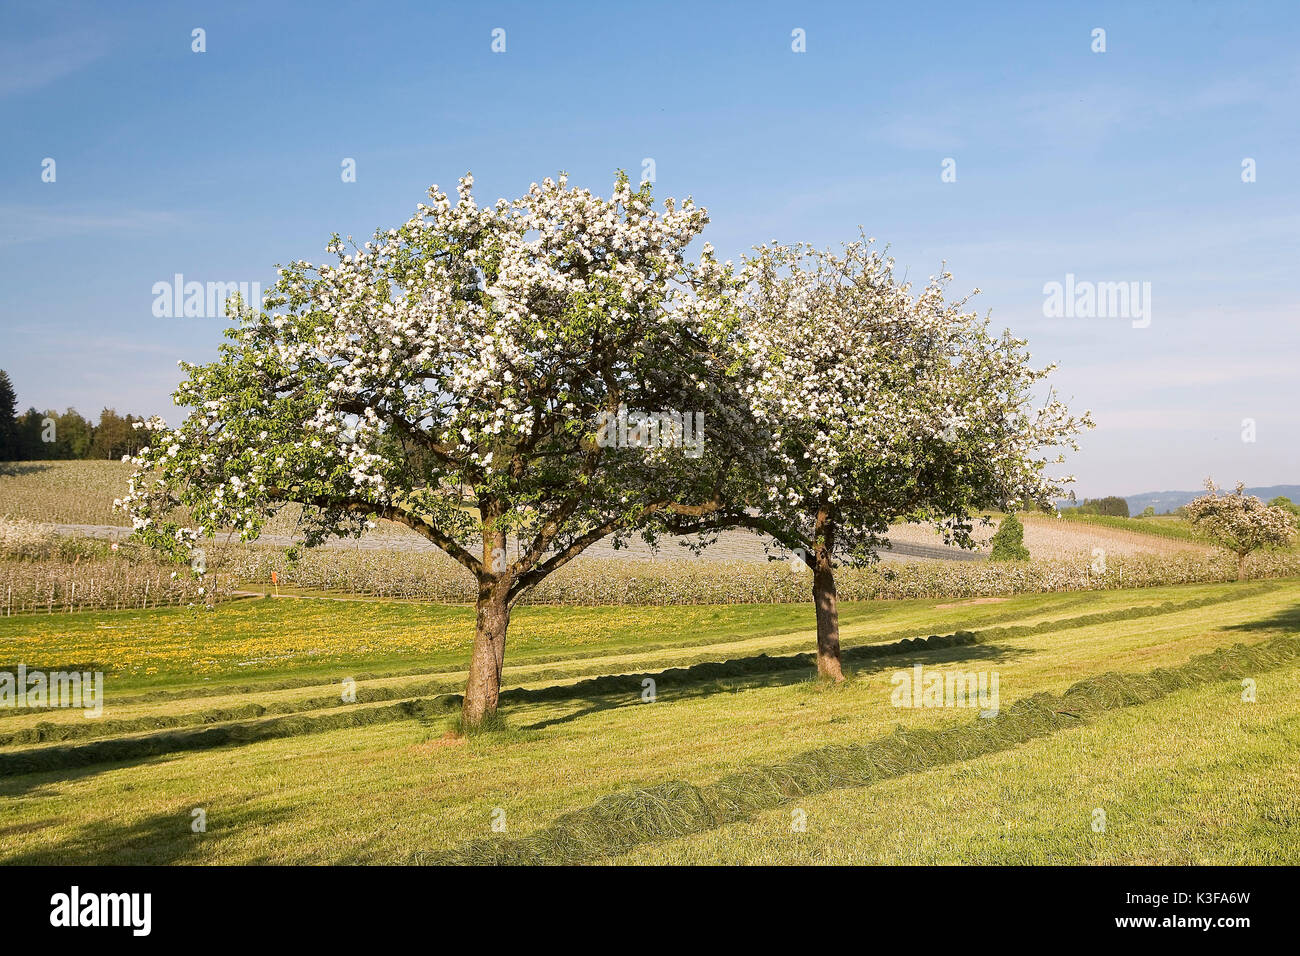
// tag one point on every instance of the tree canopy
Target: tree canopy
(871, 402)
(452, 375)
(1240, 523)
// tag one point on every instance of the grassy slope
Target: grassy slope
(389, 792)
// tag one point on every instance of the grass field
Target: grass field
(238, 712)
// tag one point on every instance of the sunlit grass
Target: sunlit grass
(1195, 777)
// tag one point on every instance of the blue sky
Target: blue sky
(1117, 166)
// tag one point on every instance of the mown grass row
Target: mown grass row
(216, 688)
(173, 741)
(622, 821)
(694, 671)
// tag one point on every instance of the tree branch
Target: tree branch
(394, 513)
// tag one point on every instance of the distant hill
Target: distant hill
(1164, 501)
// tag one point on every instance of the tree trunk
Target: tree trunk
(828, 615)
(492, 618)
(1241, 567)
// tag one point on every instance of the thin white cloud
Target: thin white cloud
(29, 64)
(909, 133)
(1153, 420)
(40, 223)
(1180, 372)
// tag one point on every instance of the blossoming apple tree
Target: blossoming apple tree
(875, 405)
(449, 376)
(1240, 523)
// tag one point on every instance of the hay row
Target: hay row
(49, 731)
(246, 732)
(176, 741)
(253, 729)
(622, 821)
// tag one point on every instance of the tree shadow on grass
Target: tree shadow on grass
(702, 680)
(157, 839)
(600, 693)
(1287, 620)
(44, 782)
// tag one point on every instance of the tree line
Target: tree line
(1112, 506)
(36, 435)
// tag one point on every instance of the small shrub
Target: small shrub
(1009, 541)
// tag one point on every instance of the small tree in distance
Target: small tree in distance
(1240, 523)
(1009, 541)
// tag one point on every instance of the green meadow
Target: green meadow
(323, 731)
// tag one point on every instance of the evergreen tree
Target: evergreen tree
(9, 450)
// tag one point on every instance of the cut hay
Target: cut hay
(620, 822)
(179, 733)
